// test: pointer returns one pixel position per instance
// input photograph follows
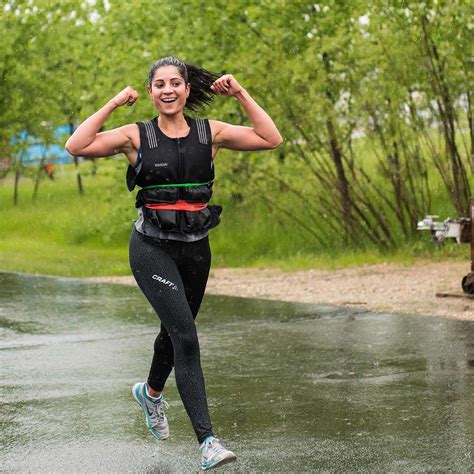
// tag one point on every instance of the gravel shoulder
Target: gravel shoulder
(384, 287)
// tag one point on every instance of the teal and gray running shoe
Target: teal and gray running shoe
(214, 454)
(154, 411)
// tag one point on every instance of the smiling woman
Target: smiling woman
(171, 158)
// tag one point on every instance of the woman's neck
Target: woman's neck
(173, 125)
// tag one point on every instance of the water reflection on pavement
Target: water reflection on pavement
(291, 387)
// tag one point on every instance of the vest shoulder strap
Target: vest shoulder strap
(204, 131)
(147, 130)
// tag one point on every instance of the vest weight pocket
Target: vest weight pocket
(194, 221)
(157, 196)
(163, 219)
(205, 219)
(197, 193)
(131, 178)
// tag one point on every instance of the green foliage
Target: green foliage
(373, 99)
(65, 233)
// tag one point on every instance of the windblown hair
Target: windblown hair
(199, 78)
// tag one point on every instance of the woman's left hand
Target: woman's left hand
(226, 85)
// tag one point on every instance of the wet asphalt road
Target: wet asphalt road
(291, 387)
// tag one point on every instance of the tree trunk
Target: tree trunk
(470, 121)
(76, 163)
(79, 178)
(459, 184)
(15, 188)
(17, 178)
(343, 184)
(39, 174)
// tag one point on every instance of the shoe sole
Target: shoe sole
(226, 460)
(158, 436)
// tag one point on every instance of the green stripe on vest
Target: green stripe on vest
(184, 185)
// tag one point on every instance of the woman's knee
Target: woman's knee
(163, 343)
(187, 345)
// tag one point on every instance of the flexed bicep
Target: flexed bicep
(107, 143)
(237, 137)
(87, 141)
(263, 135)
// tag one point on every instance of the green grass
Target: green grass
(407, 256)
(61, 232)
(64, 233)
(237, 245)
(49, 258)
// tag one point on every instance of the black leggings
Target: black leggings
(173, 277)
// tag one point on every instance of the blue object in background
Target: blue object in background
(36, 149)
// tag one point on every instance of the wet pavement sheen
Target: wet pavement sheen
(291, 387)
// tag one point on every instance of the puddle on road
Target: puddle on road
(291, 387)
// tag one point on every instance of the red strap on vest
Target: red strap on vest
(178, 206)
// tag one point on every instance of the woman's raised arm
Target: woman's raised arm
(86, 141)
(263, 134)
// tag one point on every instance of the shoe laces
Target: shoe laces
(213, 446)
(158, 408)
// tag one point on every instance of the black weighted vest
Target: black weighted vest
(175, 169)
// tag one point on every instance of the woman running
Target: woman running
(171, 160)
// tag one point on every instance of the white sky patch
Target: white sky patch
(417, 97)
(107, 5)
(94, 17)
(364, 20)
(343, 102)
(463, 101)
(7, 7)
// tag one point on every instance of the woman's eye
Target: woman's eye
(176, 84)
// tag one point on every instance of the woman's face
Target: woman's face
(168, 90)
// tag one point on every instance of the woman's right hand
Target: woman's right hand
(127, 96)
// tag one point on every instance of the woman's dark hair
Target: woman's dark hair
(199, 78)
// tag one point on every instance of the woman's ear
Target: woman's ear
(188, 89)
(148, 88)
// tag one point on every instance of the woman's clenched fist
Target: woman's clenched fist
(127, 96)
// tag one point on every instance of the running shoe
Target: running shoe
(214, 454)
(154, 411)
